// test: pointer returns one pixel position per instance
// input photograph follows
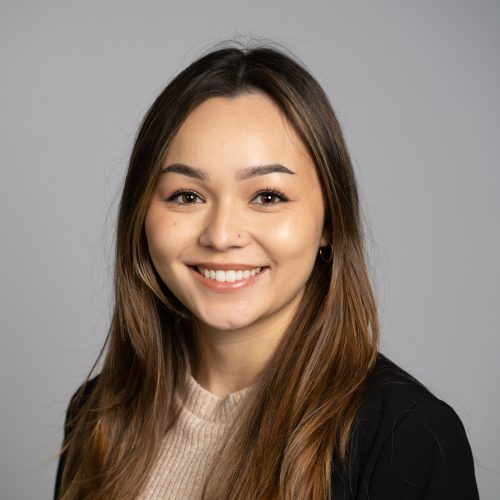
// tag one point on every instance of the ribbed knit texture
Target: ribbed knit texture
(189, 447)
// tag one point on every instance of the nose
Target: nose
(222, 227)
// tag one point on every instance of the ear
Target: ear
(324, 242)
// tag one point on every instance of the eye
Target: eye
(269, 194)
(187, 197)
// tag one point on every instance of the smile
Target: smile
(229, 275)
(219, 280)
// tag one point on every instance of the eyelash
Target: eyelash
(269, 190)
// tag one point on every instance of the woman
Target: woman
(242, 359)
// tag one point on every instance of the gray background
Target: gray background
(416, 88)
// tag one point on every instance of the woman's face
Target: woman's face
(213, 209)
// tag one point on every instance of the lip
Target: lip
(230, 286)
(225, 267)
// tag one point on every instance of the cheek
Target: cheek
(294, 238)
(163, 232)
(159, 231)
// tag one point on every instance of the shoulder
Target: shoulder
(406, 441)
(392, 394)
(78, 399)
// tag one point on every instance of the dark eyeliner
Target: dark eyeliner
(182, 191)
(273, 191)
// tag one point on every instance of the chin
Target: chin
(224, 324)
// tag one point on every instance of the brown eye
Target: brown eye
(186, 197)
(271, 194)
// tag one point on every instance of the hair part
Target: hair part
(296, 424)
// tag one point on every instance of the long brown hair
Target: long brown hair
(296, 424)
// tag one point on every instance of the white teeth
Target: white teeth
(229, 275)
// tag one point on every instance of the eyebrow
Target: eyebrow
(241, 174)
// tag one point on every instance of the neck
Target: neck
(230, 360)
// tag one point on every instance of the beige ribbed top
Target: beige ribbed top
(189, 447)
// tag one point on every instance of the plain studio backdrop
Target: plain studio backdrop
(416, 88)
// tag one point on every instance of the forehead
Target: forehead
(249, 129)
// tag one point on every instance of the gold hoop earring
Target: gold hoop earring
(329, 255)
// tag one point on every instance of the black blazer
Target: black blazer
(406, 444)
